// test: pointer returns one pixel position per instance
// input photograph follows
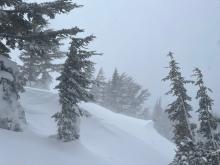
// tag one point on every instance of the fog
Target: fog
(136, 36)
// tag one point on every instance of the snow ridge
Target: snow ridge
(107, 138)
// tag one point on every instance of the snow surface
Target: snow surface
(106, 138)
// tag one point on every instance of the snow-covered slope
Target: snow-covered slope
(106, 138)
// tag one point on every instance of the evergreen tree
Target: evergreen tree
(31, 59)
(132, 96)
(75, 81)
(179, 113)
(114, 95)
(18, 19)
(38, 62)
(12, 115)
(161, 121)
(99, 88)
(30, 69)
(209, 143)
(157, 110)
(124, 95)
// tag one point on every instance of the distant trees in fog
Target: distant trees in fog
(121, 94)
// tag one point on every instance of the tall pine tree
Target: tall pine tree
(18, 19)
(38, 62)
(112, 101)
(124, 95)
(99, 88)
(179, 113)
(161, 121)
(75, 81)
(209, 143)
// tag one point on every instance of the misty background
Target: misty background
(136, 36)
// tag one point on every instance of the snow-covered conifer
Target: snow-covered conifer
(12, 115)
(38, 62)
(179, 113)
(99, 88)
(209, 142)
(161, 121)
(113, 91)
(124, 95)
(18, 19)
(75, 81)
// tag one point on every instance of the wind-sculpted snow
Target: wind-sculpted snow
(106, 138)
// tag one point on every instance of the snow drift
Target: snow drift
(106, 138)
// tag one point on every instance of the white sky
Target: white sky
(135, 37)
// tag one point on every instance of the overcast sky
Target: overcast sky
(135, 36)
